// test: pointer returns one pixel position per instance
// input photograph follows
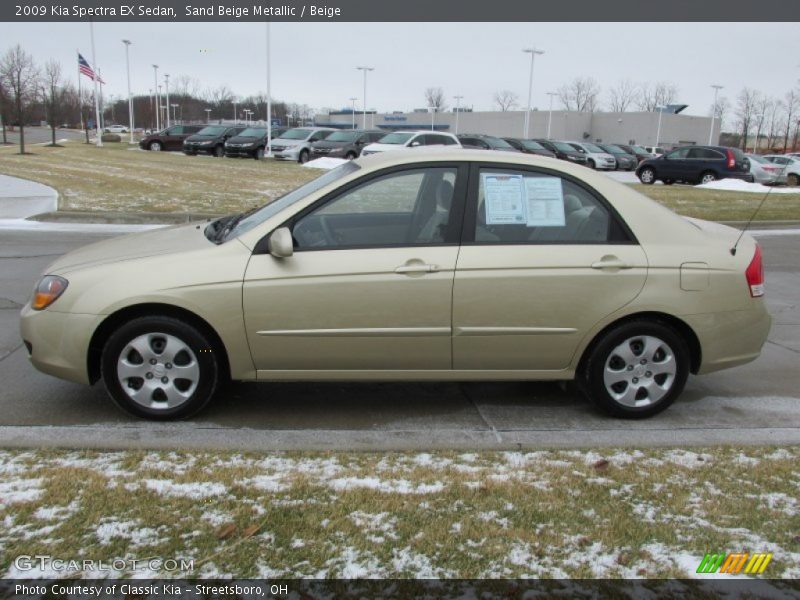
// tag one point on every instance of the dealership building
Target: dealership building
(670, 126)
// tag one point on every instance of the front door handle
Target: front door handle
(416, 268)
(611, 262)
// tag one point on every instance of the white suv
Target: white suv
(596, 157)
(295, 144)
(410, 139)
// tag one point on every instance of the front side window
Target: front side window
(679, 153)
(705, 153)
(395, 138)
(528, 207)
(405, 208)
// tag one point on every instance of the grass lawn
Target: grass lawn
(652, 513)
(117, 178)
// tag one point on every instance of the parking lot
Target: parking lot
(755, 404)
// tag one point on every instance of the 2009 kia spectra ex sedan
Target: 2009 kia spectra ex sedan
(411, 265)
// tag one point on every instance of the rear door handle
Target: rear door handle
(611, 262)
(416, 268)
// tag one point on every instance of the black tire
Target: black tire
(707, 177)
(647, 175)
(259, 154)
(590, 164)
(350, 155)
(219, 151)
(303, 158)
(640, 392)
(196, 355)
(792, 180)
(156, 146)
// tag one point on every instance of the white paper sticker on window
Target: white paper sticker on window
(544, 202)
(503, 199)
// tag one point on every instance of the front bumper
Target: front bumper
(246, 151)
(290, 153)
(333, 153)
(59, 342)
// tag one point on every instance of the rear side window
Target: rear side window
(528, 207)
(705, 153)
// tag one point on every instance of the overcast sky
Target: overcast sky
(315, 64)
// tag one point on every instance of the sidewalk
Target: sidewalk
(20, 198)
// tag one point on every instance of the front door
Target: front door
(369, 286)
(544, 259)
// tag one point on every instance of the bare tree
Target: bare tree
(506, 100)
(745, 111)
(218, 96)
(760, 111)
(3, 110)
(52, 95)
(651, 96)
(434, 96)
(774, 119)
(792, 104)
(20, 78)
(720, 111)
(580, 94)
(623, 95)
(184, 86)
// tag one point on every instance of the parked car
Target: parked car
(251, 142)
(625, 160)
(563, 151)
(485, 142)
(210, 140)
(170, 138)
(695, 164)
(764, 171)
(637, 151)
(655, 150)
(530, 147)
(410, 139)
(346, 143)
(116, 129)
(596, 157)
(793, 155)
(790, 166)
(295, 144)
(432, 279)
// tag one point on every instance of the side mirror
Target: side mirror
(414, 144)
(280, 243)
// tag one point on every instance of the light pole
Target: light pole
(458, 109)
(150, 97)
(658, 131)
(717, 88)
(550, 113)
(235, 114)
(353, 101)
(166, 91)
(533, 52)
(433, 116)
(157, 90)
(208, 114)
(174, 112)
(269, 100)
(160, 108)
(130, 98)
(365, 70)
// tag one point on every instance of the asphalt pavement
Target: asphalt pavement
(757, 403)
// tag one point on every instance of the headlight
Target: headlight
(47, 291)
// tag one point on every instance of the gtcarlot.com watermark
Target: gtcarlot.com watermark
(45, 563)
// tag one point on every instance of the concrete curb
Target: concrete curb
(20, 198)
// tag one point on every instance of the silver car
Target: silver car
(789, 165)
(764, 171)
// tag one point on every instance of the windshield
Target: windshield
(532, 145)
(216, 130)
(277, 205)
(564, 147)
(396, 138)
(615, 149)
(296, 134)
(593, 148)
(253, 132)
(343, 136)
(498, 143)
(639, 150)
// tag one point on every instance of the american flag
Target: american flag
(84, 68)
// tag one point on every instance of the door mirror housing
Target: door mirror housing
(414, 144)
(280, 243)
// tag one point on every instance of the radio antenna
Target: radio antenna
(755, 212)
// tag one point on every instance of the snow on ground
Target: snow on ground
(325, 162)
(737, 185)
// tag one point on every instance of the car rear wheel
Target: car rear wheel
(793, 180)
(707, 177)
(156, 146)
(647, 176)
(637, 369)
(350, 155)
(219, 151)
(303, 158)
(590, 164)
(159, 368)
(259, 155)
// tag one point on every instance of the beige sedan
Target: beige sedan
(410, 265)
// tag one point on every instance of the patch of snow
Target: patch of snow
(195, 490)
(737, 185)
(326, 162)
(687, 458)
(18, 491)
(396, 486)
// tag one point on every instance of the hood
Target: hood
(165, 240)
(376, 147)
(287, 143)
(201, 138)
(327, 144)
(246, 139)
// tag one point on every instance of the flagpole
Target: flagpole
(269, 99)
(80, 94)
(96, 96)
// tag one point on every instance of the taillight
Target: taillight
(771, 169)
(755, 274)
(731, 159)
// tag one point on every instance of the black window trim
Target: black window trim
(617, 224)
(454, 228)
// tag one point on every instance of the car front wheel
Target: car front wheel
(637, 369)
(647, 176)
(259, 155)
(303, 158)
(159, 368)
(156, 146)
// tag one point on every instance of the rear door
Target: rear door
(544, 258)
